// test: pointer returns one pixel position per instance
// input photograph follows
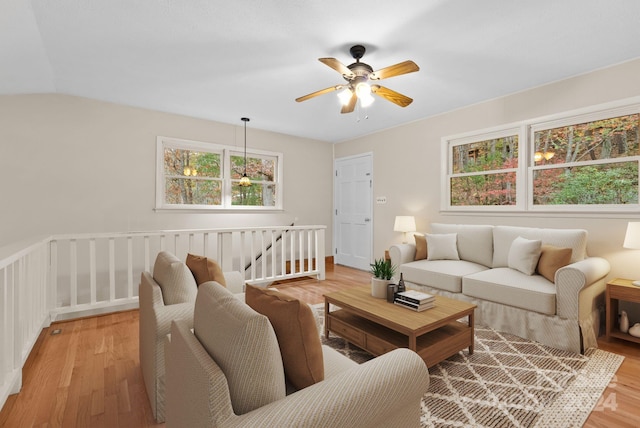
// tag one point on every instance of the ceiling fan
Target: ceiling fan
(358, 76)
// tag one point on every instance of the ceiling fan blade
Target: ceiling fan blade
(320, 92)
(352, 104)
(393, 96)
(338, 66)
(394, 70)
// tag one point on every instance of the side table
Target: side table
(620, 289)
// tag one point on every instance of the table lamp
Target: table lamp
(632, 240)
(406, 223)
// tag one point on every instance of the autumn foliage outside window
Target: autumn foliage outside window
(200, 175)
(591, 163)
(587, 162)
(484, 172)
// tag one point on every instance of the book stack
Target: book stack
(416, 300)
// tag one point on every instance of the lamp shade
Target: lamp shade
(632, 238)
(404, 223)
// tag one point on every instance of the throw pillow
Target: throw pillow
(174, 278)
(442, 246)
(524, 255)
(421, 246)
(297, 334)
(243, 344)
(551, 259)
(205, 269)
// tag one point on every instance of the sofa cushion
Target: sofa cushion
(513, 288)
(441, 274)
(243, 344)
(421, 246)
(174, 278)
(551, 259)
(205, 269)
(297, 334)
(503, 236)
(442, 246)
(524, 255)
(475, 242)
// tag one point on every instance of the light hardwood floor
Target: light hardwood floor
(89, 374)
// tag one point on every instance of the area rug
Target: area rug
(507, 382)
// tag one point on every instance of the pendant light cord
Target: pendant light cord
(245, 120)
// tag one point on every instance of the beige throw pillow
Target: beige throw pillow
(243, 344)
(524, 255)
(297, 334)
(442, 246)
(551, 259)
(205, 269)
(174, 278)
(421, 246)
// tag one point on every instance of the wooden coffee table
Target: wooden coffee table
(378, 326)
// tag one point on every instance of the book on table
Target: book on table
(414, 296)
(419, 307)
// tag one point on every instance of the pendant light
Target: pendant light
(244, 181)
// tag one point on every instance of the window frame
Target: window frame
(447, 145)
(569, 120)
(526, 164)
(225, 152)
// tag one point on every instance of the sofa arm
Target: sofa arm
(402, 253)
(385, 391)
(571, 280)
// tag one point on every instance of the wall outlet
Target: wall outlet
(381, 199)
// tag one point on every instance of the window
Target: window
(483, 170)
(587, 162)
(194, 175)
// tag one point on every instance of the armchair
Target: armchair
(156, 317)
(218, 383)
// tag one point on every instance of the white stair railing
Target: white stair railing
(67, 276)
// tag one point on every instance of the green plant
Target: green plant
(382, 269)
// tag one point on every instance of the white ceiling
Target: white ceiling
(224, 60)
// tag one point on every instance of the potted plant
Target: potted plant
(382, 272)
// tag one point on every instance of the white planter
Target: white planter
(379, 288)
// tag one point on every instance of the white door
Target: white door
(353, 225)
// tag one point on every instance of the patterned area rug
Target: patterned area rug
(507, 382)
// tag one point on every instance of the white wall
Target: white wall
(407, 162)
(70, 164)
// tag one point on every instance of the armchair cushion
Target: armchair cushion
(205, 269)
(174, 278)
(296, 331)
(243, 344)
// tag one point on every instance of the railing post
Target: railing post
(320, 254)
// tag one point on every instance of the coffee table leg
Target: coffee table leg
(473, 336)
(326, 319)
(412, 342)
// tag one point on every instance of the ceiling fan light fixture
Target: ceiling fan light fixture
(345, 96)
(363, 91)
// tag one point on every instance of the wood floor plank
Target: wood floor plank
(89, 375)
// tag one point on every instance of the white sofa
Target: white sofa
(564, 314)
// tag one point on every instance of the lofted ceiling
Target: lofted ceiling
(224, 60)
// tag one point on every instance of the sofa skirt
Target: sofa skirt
(551, 330)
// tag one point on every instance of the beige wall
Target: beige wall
(407, 162)
(71, 165)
